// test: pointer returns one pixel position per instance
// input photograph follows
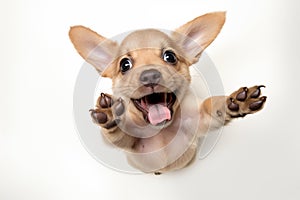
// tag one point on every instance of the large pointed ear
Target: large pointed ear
(94, 48)
(197, 34)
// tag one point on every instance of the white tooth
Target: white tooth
(146, 100)
(144, 103)
(170, 99)
(165, 98)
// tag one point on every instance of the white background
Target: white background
(41, 156)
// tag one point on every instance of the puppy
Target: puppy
(153, 114)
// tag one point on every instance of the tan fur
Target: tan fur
(150, 148)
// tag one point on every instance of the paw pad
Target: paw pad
(245, 101)
(257, 104)
(242, 96)
(119, 108)
(105, 101)
(233, 106)
(98, 117)
(257, 92)
(108, 111)
(112, 124)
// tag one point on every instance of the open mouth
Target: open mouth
(157, 108)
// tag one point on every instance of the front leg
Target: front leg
(107, 114)
(217, 111)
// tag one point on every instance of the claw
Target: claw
(242, 96)
(257, 104)
(98, 117)
(256, 93)
(105, 101)
(233, 106)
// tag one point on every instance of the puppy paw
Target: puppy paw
(107, 111)
(245, 101)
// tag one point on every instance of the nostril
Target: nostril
(150, 77)
(143, 79)
(156, 76)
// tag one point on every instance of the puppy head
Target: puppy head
(149, 69)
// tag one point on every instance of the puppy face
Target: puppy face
(149, 69)
(150, 74)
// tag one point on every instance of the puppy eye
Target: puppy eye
(125, 65)
(170, 57)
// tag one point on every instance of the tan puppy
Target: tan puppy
(153, 115)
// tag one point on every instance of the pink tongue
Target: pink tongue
(158, 113)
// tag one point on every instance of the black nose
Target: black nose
(150, 77)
